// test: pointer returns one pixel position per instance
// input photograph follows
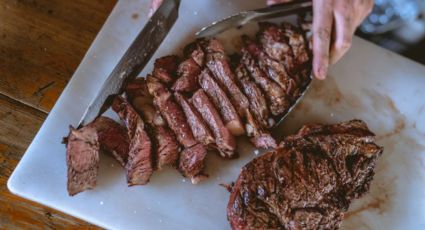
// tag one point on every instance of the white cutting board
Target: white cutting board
(370, 83)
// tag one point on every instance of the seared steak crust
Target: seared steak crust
(308, 182)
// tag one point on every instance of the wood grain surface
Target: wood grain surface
(41, 44)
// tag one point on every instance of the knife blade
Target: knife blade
(134, 59)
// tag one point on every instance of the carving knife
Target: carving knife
(134, 59)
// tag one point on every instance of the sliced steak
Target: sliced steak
(222, 103)
(166, 147)
(195, 51)
(224, 139)
(217, 62)
(257, 99)
(192, 163)
(308, 182)
(82, 159)
(301, 52)
(165, 69)
(297, 42)
(276, 71)
(188, 72)
(260, 137)
(276, 45)
(171, 112)
(277, 100)
(112, 137)
(140, 166)
(199, 128)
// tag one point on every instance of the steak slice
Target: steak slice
(165, 68)
(166, 148)
(82, 159)
(260, 137)
(216, 61)
(199, 128)
(171, 112)
(257, 100)
(308, 182)
(277, 100)
(297, 42)
(222, 103)
(112, 137)
(188, 72)
(223, 138)
(195, 51)
(192, 163)
(140, 166)
(276, 45)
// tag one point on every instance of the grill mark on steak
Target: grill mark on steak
(218, 63)
(82, 159)
(165, 68)
(224, 139)
(171, 112)
(222, 103)
(199, 129)
(192, 163)
(139, 167)
(165, 145)
(188, 72)
(277, 99)
(112, 137)
(308, 182)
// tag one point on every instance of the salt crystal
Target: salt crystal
(184, 180)
(101, 203)
(160, 221)
(195, 12)
(149, 208)
(134, 212)
(256, 152)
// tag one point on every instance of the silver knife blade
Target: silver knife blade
(134, 59)
(241, 18)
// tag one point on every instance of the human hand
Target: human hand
(334, 24)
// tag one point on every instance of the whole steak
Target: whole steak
(308, 182)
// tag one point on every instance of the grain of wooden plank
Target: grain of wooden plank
(41, 44)
(18, 125)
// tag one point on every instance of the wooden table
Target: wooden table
(41, 44)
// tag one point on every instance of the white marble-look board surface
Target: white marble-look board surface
(370, 83)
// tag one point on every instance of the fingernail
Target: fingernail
(322, 72)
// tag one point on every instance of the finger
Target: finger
(322, 25)
(345, 25)
(154, 6)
